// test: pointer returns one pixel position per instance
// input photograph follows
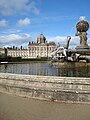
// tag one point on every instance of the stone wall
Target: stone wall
(52, 88)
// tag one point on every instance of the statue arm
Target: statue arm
(68, 40)
(77, 34)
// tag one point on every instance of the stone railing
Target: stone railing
(67, 89)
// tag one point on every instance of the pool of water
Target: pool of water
(43, 68)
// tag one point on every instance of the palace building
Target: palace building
(35, 50)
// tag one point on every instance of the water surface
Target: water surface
(43, 68)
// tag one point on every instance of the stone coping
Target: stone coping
(46, 79)
(46, 87)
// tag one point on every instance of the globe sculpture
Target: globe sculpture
(82, 27)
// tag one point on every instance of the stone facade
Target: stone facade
(24, 53)
(2, 51)
(34, 50)
(41, 48)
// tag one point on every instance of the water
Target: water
(43, 68)
(17, 108)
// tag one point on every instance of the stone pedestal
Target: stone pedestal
(86, 47)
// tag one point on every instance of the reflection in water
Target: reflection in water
(43, 68)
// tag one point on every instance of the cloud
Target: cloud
(62, 40)
(10, 31)
(18, 7)
(82, 18)
(57, 39)
(24, 22)
(14, 39)
(18, 40)
(3, 23)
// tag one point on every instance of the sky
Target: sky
(22, 21)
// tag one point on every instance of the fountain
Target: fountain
(84, 49)
(80, 54)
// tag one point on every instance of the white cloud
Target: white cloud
(14, 39)
(10, 31)
(82, 18)
(75, 41)
(3, 23)
(57, 39)
(17, 6)
(24, 22)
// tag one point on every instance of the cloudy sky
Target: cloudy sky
(22, 21)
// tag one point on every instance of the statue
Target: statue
(66, 46)
(83, 38)
(68, 41)
(82, 27)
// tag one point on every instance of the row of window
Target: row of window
(42, 48)
(37, 48)
(18, 54)
(37, 55)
